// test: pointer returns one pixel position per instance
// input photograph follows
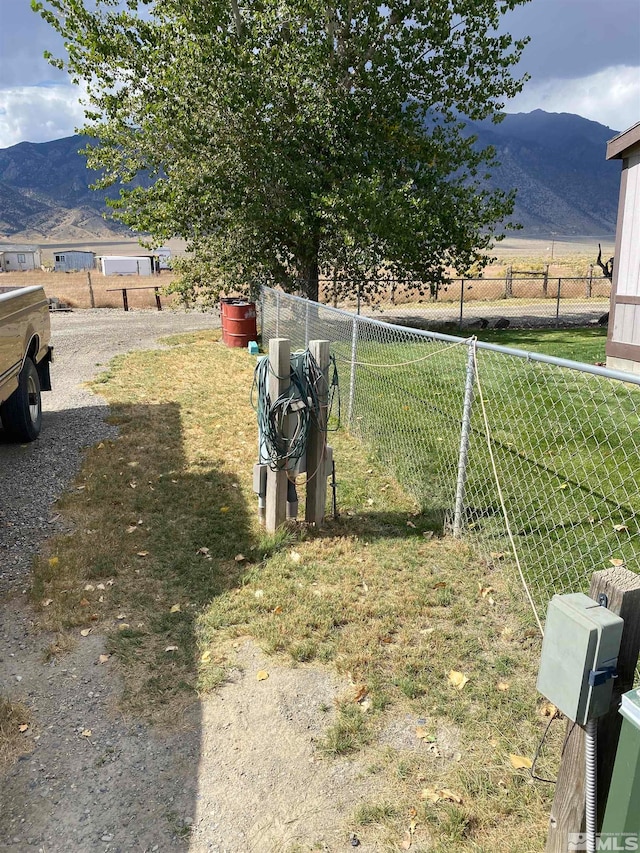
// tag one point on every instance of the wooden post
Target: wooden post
(92, 300)
(622, 588)
(279, 380)
(317, 442)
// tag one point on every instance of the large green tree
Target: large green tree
(287, 138)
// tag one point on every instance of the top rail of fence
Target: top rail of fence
(581, 367)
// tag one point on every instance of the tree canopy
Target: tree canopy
(288, 138)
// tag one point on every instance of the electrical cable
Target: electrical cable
(500, 494)
(284, 423)
(532, 770)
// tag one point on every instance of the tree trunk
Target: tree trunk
(312, 272)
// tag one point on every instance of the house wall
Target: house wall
(623, 344)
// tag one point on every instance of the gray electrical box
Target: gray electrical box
(579, 656)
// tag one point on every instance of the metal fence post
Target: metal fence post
(461, 303)
(277, 313)
(352, 380)
(464, 441)
(306, 325)
(558, 303)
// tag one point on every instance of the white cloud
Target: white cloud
(611, 96)
(39, 113)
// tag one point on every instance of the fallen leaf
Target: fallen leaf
(132, 528)
(175, 609)
(619, 528)
(520, 762)
(103, 658)
(277, 610)
(361, 692)
(503, 685)
(171, 649)
(85, 632)
(497, 555)
(447, 794)
(100, 586)
(53, 562)
(457, 679)
(203, 551)
(411, 524)
(110, 582)
(143, 553)
(84, 602)
(262, 675)
(89, 587)
(86, 733)
(121, 616)
(23, 727)
(439, 585)
(430, 795)
(206, 655)
(563, 486)
(133, 485)
(239, 558)
(407, 841)
(295, 557)
(425, 734)
(224, 509)
(123, 626)
(434, 795)
(616, 561)
(428, 534)
(485, 591)
(47, 602)
(548, 709)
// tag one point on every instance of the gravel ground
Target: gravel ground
(238, 772)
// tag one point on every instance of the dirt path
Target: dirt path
(238, 772)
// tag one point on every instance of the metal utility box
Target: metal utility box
(579, 656)
(622, 815)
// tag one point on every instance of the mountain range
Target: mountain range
(556, 161)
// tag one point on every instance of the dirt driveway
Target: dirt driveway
(237, 773)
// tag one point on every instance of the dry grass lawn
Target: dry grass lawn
(167, 558)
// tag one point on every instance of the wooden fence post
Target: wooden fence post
(622, 588)
(92, 300)
(316, 499)
(279, 380)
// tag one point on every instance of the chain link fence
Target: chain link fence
(537, 300)
(487, 438)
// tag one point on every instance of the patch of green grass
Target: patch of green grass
(585, 345)
(347, 734)
(371, 813)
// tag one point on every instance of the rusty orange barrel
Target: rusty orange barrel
(238, 322)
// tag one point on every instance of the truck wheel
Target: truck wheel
(22, 412)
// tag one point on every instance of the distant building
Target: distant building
(72, 261)
(623, 342)
(14, 258)
(164, 257)
(128, 265)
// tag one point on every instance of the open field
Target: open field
(73, 288)
(379, 596)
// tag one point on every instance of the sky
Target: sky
(584, 58)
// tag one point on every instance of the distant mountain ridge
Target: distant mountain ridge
(556, 161)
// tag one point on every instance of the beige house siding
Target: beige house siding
(623, 344)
